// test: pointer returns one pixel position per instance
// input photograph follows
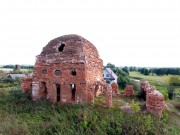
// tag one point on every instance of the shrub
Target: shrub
(135, 84)
(174, 80)
(8, 80)
(122, 81)
(135, 106)
(107, 81)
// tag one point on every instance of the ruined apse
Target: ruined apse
(66, 69)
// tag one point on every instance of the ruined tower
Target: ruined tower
(66, 69)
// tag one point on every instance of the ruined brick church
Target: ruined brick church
(68, 70)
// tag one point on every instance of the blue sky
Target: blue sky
(125, 32)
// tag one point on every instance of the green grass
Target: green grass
(161, 83)
(19, 115)
(159, 79)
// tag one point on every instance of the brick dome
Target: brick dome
(68, 48)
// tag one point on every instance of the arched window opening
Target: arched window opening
(44, 71)
(73, 91)
(61, 47)
(73, 72)
(44, 89)
(57, 72)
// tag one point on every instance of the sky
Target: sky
(142, 33)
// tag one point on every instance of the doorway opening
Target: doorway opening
(44, 89)
(73, 91)
(58, 91)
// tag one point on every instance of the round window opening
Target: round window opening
(57, 72)
(73, 72)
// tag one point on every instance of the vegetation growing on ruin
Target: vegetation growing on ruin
(20, 115)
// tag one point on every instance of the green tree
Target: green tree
(110, 65)
(119, 71)
(122, 81)
(146, 71)
(125, 69)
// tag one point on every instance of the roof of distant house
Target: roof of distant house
(14, 76)
(111, 72)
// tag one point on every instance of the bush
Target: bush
(119, 71)
(174, 80)
(107, 81)
(8, 80)
(122, 81)
(165, 94)
(135, 84)
(135, 106)
(30, 71)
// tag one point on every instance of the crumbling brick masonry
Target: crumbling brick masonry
(26, 84)
(66, 71)
(154, 99)
(129, 90)
(115, 89)
(155, 102)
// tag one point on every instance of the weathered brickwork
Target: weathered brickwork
(129, 90)
(155, 102)
(68, 71)
(144, 85)
(106, 89)
(26, 84)
(154, 99)
(115, 89)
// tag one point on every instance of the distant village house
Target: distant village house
(109, 75)
(15, 76)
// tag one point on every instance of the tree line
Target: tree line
(21, 66)
(160, 71)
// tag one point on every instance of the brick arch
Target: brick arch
(104, 88)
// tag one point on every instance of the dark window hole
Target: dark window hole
(61, 48)
(57, 72)
(44, 71)
(73, 72)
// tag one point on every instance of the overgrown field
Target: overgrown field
(159, 79)
(19, 115)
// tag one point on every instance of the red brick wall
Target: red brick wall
(26, 84)
(78, 54)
